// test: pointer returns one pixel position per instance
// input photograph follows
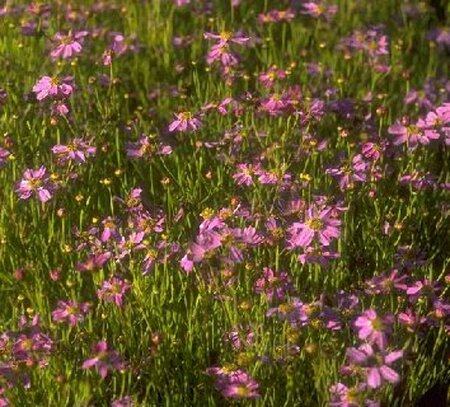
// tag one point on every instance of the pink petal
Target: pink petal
(393, 356)
(374, 378)
(389, 375)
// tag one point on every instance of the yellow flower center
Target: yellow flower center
(314, 224)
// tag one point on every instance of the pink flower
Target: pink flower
(386, 283)
(128, 245)
(373, 328)
(180, 3)
(426, 288)
(435, 122)
(295, 312)
(68, 45)
(317, 224)
(184, 122)
(240, 339)
(275, 16)
(372, 151)
(51, 87)
(239, 386)
(315, 255)
(268, 78)
(273, 284)
(71, 312)
(411, 320)
(4, 154)
(343, 396)
(109, 230)
(412, 135)
(221, 50)
(347, 174)
(377, 366)
(104, 359)
(370, 41)
(94, 262)
(147, 148)
(235, 384)
(37, 182)
(4, 402)
(122, 402)
(275, 104)
(226, 37)
(319, 9)
(113, 290)
(244, 174)
(77, 150)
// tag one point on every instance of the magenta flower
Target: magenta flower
(68, 45)
(343, 396)
(51, 87)
(37, 182)
(77, 150)
(221, 51)
(371, 41)
(239, 386)
(426, 288)
(436, 122)
(71, 312)
(268, 78)
(319, 9)
(273, 177)
(238, 341)
(229, 106)
(317, 224)
(315, 255)
(180, 3)
(248, 235)
(94, 262)
(411, 135)
(104, 359)
(109, 230)
(147, 148)
(273, 284)
(226, 37)
(385, 283)
(59, 108)
(372, 151)
(235, 384)
(123, 402)
(275, 104)
(127, 245)
(4, 402)
(113, 290)
(295, 312)
(411, 320)
(119, 44)
(244, 174)
(4, 154)
(439, 314)
(373, 328)
(184, 122)
(31, 342)
(441, 36)
(208, 239)
(276, 16)
(348, 174)
(377, 366)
